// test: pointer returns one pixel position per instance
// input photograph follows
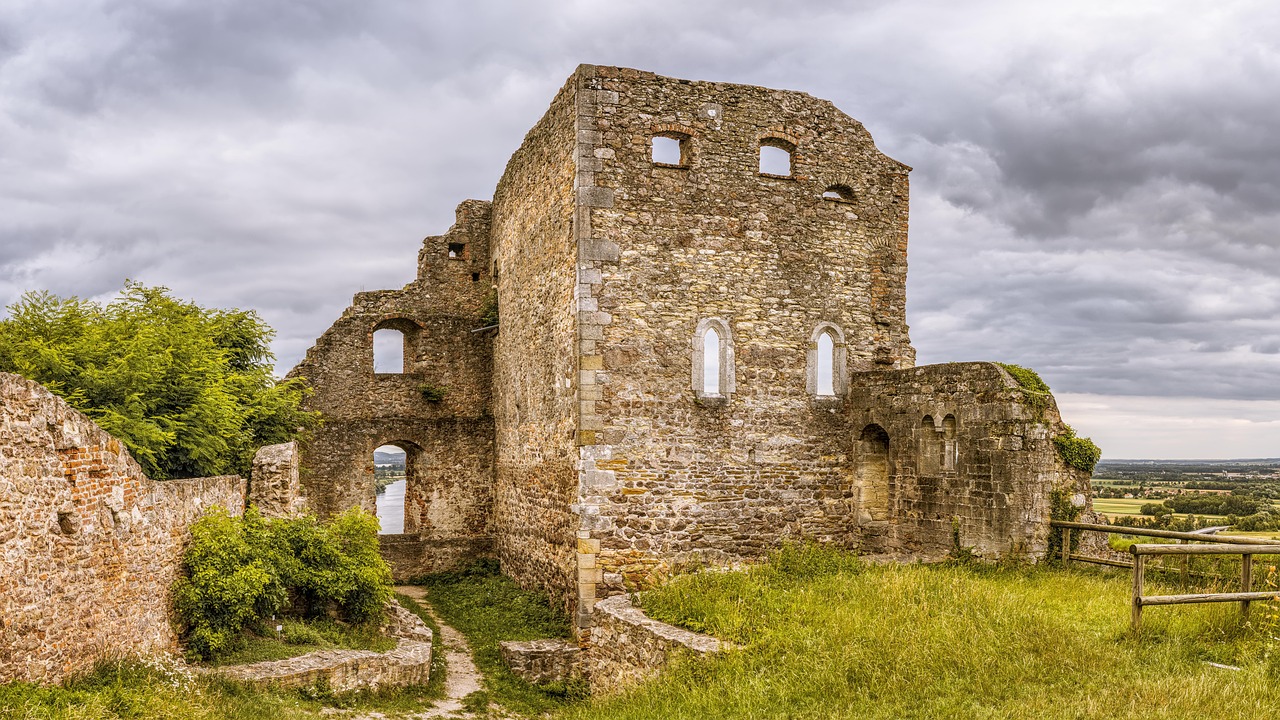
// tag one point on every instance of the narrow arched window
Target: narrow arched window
(826, 371)
(712, 360)
(826, 358)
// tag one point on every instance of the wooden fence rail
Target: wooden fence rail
(1245, 547)
(1244, 597)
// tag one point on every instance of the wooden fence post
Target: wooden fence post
(1139, 562)
(1246, 580)
(1066, 547)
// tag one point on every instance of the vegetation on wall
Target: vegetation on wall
(239, 571)
(489, 311)
(189, 390)
(433, 393)
(1078, 452)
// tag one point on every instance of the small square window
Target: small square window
(457, 250)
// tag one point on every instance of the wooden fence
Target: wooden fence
(1245, 547)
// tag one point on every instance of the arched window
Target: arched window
(841, 193)
(670, 149)
(776, 157)
(929, 458)
(826, 352)
(712, 360)
(827, 362)
(390, 477)
(873, 472)
(950, 444)
(388, 351)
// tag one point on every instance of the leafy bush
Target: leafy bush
(189, 390)
(1080, 453)
(237, 571)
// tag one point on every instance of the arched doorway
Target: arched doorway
(873, 472)
(392, 465)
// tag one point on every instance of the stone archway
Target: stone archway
(873, 472)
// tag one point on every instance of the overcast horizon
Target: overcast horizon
(1095, 192)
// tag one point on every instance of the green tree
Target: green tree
(189, 390)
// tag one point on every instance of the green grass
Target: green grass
(439, 669)
(487, 608)
(1133, 506)
(301, 637)
(826, 637)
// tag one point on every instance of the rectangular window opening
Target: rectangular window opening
(457, 250)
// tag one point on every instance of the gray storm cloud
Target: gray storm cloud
(1095, 190)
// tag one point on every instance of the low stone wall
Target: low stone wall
(628, 646)
(412, 556)
(409, 663)
(89, 546)
(541, 661)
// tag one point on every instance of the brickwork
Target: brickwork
(408, 663)
(612, 455)
(89, 546)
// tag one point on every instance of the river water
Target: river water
(391, 509)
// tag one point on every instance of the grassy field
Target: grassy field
(819, 634)
(1132, 506)
(824, 637)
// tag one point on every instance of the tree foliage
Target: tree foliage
(237, 571)
(189, 390)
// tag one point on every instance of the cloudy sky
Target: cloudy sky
(1096, 188)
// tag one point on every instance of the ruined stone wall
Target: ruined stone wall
(89, 546)
(535, 356)
(668, 475)
(448, 441)
(968, 453)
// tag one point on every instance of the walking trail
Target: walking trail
(462, 676)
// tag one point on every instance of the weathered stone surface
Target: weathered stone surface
(541, 661)
(628, 646)
(273, 483)
(409, 663)
(448, 440)
(589, 451)
(89, 546)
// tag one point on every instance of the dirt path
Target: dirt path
(462, 677)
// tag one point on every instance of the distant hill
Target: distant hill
(388, 458)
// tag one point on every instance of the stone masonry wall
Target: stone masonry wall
(274, 487)
(967, 451)
(628, 646)
(535, 355)
(89, 546)
(668, 476)
(449, 441)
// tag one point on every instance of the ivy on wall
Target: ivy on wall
(1078, 452)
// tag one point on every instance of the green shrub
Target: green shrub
(1080, 453)
(238, 571)
(228, 581)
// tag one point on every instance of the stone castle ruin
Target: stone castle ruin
(694, 359)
